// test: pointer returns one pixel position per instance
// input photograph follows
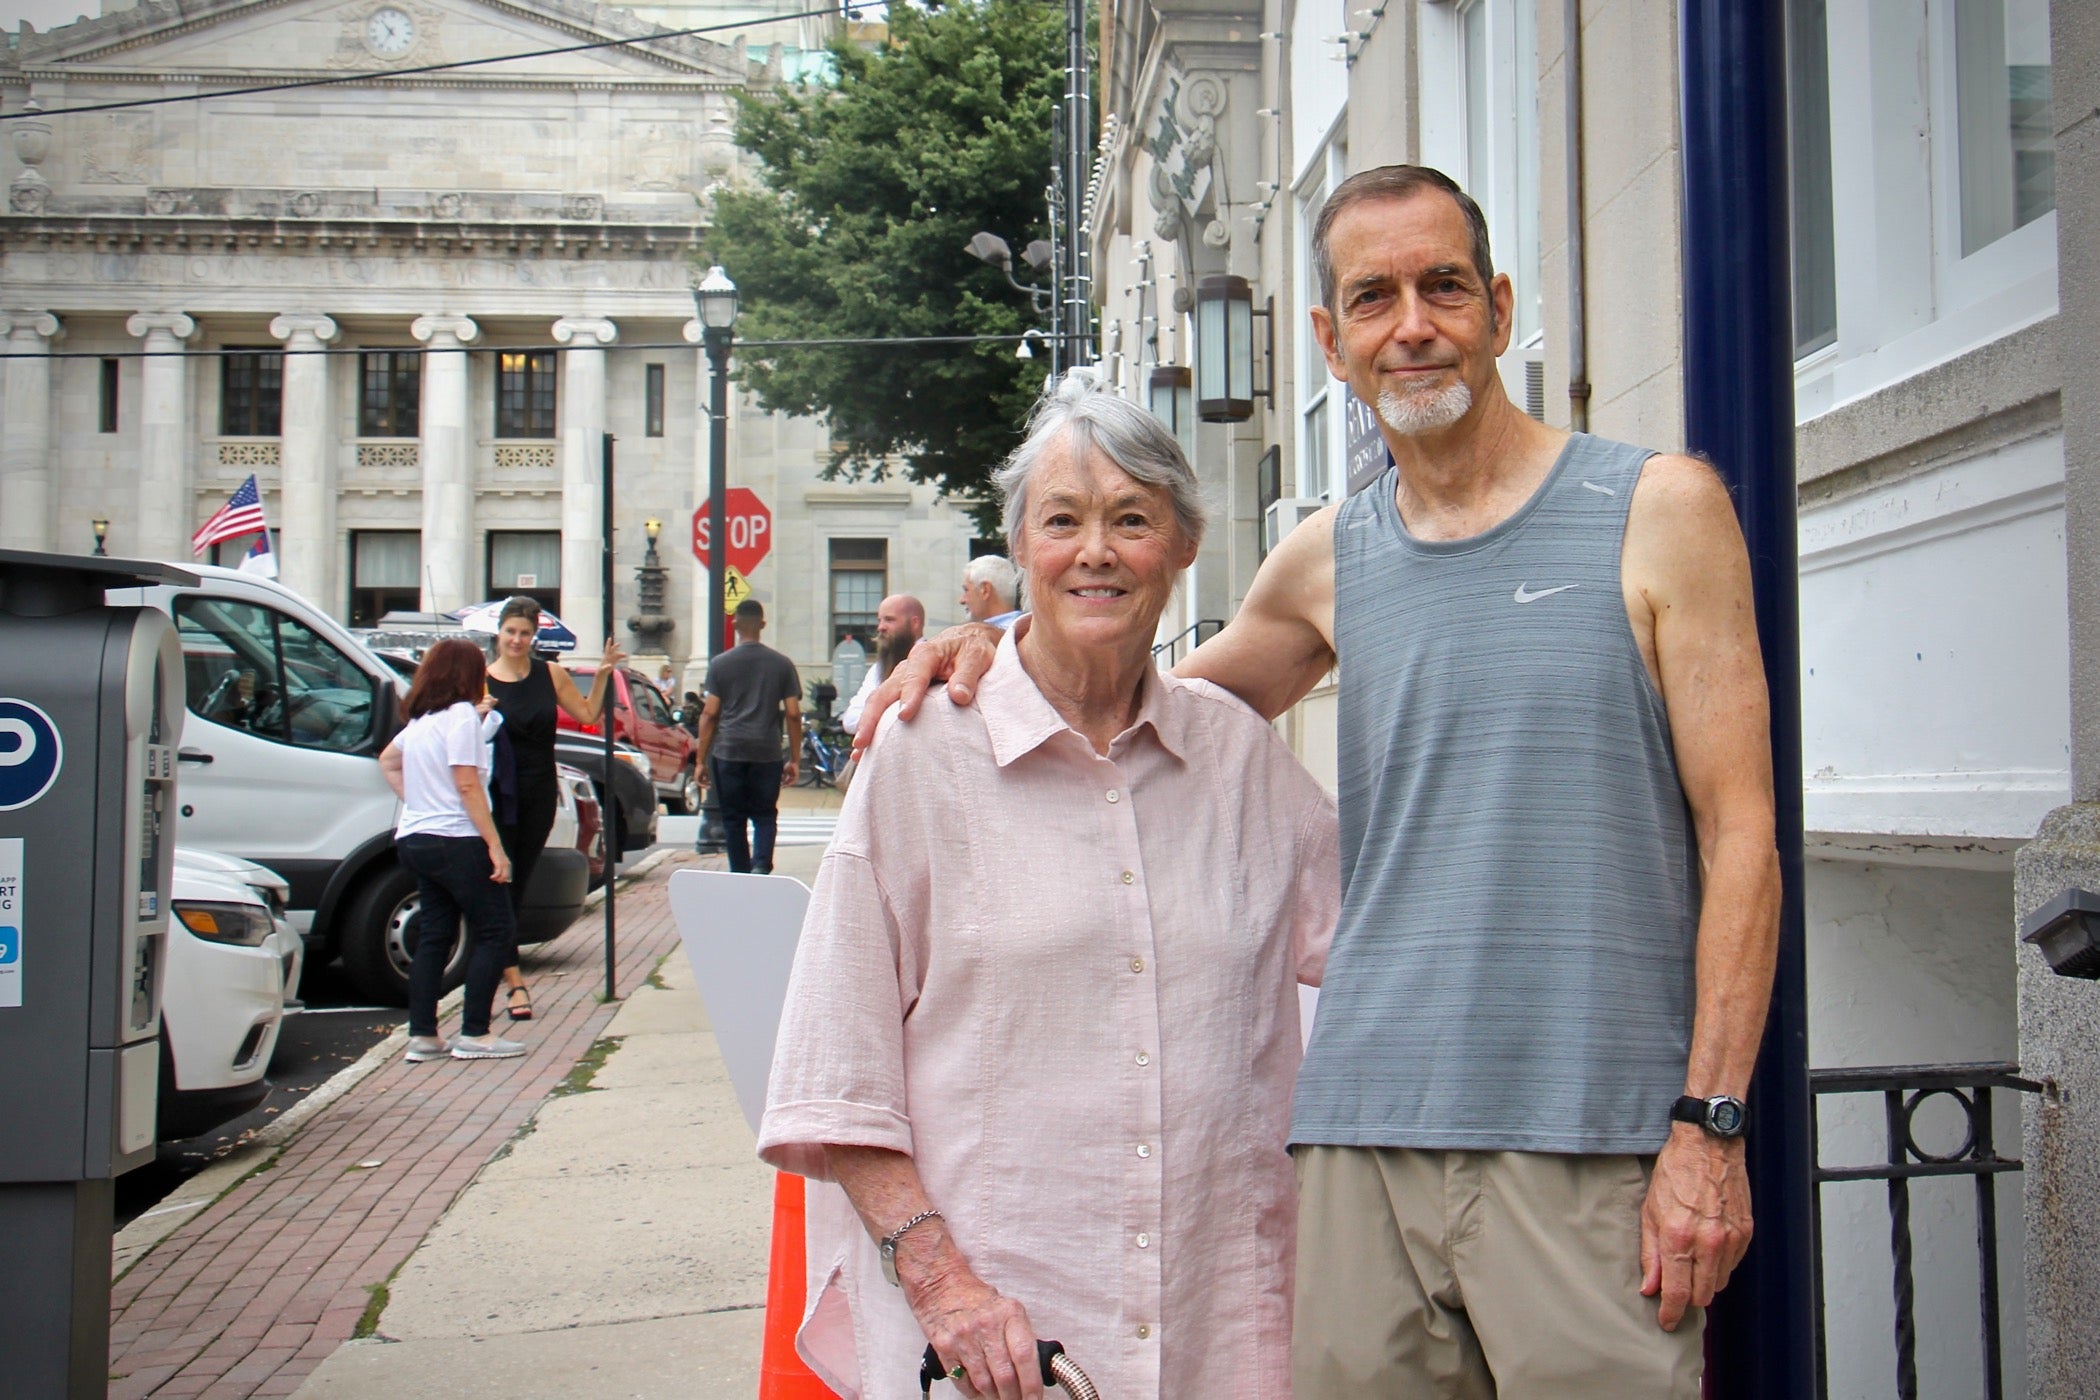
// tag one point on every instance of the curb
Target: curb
(136, 1240)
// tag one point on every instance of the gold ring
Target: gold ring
(956, 1373)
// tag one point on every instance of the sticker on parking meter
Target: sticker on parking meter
(30, 753)
(11, 921)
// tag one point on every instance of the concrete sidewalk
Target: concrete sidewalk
(588, 1220)
(616, 1249)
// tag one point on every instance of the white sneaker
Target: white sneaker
(427, 1047)
(486, 1047)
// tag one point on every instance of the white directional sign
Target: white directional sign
(11, 921)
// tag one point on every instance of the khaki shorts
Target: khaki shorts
(1478, 1276)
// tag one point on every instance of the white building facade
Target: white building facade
(412, 305)
(1938, 670)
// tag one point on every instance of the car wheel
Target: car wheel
(378, 938)
(686, 801)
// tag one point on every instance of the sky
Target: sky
(46, 15)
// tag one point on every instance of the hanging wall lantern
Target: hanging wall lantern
(1224, 349)
(1171, 389)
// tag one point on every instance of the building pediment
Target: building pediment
(188, 38)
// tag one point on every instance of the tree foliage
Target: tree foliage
(868, 191)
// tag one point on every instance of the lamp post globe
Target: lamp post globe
(716, 302)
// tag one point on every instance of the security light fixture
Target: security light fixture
(1170, 389)
(1224, 349)
(2067, 932)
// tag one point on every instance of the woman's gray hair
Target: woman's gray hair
(1085, 412)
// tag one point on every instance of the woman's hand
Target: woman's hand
(499, 864)
(613, 655)
(484, 705)
(972, 1325)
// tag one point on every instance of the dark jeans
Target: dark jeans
(452, 873)
(749, 792)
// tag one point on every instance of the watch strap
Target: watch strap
(1692, 1109)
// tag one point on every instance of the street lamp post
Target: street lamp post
(101, 528)
(715, 305)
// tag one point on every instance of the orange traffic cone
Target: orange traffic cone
(781, 1374)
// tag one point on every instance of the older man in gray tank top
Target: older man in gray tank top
(1518, 1123)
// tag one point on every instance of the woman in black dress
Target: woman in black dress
(527, 691)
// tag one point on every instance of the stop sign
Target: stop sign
(750, 527)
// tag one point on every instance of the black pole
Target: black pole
(1739, 412)
(614, 846)
(717, 340)
(1079, 163)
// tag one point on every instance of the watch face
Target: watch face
(1726, 1116)
(389, 32)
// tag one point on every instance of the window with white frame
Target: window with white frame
(1320, 394)
(1941, 172)
(1478, 73)
(2002, 101)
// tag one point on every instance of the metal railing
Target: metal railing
(1904, 1090)
(1169, 652)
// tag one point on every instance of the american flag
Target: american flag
(242, 515)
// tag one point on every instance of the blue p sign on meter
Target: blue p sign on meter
(30, 753)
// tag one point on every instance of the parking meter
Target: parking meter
(90, 713)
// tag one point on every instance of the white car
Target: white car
(233, 960)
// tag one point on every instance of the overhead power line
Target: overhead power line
(337, 79)
(214, 352)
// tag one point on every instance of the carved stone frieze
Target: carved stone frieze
(248, 454)
(583, 206)
(29, 193)
(1183, 144)
(116, 148)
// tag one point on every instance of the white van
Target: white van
(287, 714)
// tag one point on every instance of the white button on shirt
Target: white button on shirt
(951, 1000)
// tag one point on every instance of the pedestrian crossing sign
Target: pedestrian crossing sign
(735, 588)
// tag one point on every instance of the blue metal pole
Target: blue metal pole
(1739, 412)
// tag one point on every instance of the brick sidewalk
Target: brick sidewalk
(251, 1295)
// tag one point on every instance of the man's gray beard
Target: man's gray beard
(1413, 414)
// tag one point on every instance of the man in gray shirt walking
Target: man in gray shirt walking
(750, 688)
(1520, 1113)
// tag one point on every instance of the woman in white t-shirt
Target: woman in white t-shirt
(446, 836)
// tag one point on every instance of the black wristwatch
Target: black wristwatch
(1722, 1116)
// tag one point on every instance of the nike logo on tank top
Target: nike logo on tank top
(1514, 962)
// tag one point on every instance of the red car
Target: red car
(643, 718)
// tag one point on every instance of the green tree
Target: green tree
(868, 191)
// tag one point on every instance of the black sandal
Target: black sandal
(513, 1010)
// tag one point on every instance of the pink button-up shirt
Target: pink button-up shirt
(1065, 984)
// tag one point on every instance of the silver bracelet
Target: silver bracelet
(889, 1243)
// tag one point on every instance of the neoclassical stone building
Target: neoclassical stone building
(409, 302)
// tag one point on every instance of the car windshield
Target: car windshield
(252, 668)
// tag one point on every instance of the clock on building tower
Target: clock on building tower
(390, 32)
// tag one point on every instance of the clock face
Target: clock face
(389, 32)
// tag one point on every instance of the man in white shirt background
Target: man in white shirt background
(900, 612)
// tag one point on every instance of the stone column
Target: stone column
(27, 495)
(582, 459)
(167, 515)
(306, 560)
(448, 457)
(2059, 1017)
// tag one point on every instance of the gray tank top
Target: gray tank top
(1513, 967)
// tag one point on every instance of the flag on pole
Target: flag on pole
(241, 515)
(261, 558)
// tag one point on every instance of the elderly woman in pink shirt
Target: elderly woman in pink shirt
(1043, 1022)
